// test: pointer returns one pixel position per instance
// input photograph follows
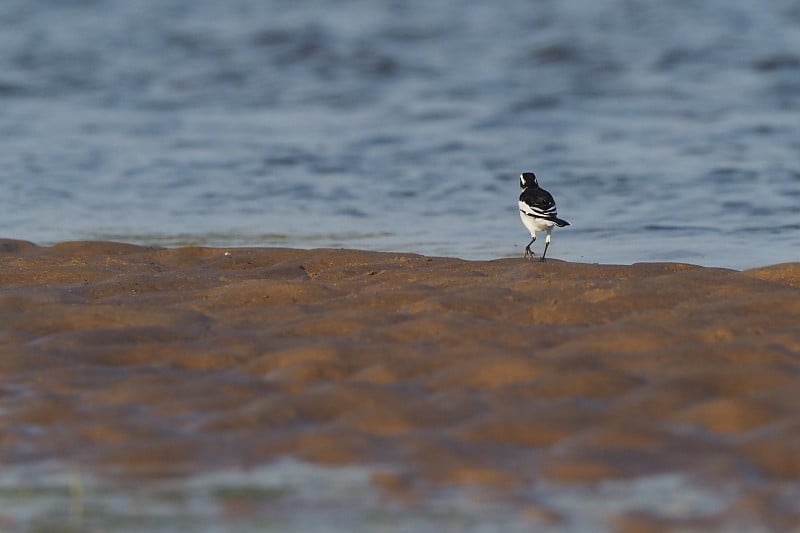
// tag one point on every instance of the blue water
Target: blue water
(293, 496)
(665, 130)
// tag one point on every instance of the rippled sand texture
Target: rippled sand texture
(498, 374)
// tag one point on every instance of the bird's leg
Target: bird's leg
(546, 244)
(528, 251)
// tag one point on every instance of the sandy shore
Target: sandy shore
(501, 374)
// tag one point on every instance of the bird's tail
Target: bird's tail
(560, 223)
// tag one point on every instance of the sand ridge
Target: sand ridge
(148, 361)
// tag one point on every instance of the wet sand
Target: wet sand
(144, 362)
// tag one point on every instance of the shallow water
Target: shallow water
(665, 131)
(294, 496)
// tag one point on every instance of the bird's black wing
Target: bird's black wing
(538, 203)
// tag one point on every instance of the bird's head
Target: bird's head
(527, 179)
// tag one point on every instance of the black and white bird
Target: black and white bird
(537, 209)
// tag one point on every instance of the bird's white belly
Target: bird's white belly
(535, 224)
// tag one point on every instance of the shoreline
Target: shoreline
(499, 374)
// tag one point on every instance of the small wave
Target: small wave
(778, 62)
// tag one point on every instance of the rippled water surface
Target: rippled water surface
(294, 496)
(666, 131)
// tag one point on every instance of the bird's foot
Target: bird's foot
(529, 253)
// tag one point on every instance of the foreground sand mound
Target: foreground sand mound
(496, 373)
